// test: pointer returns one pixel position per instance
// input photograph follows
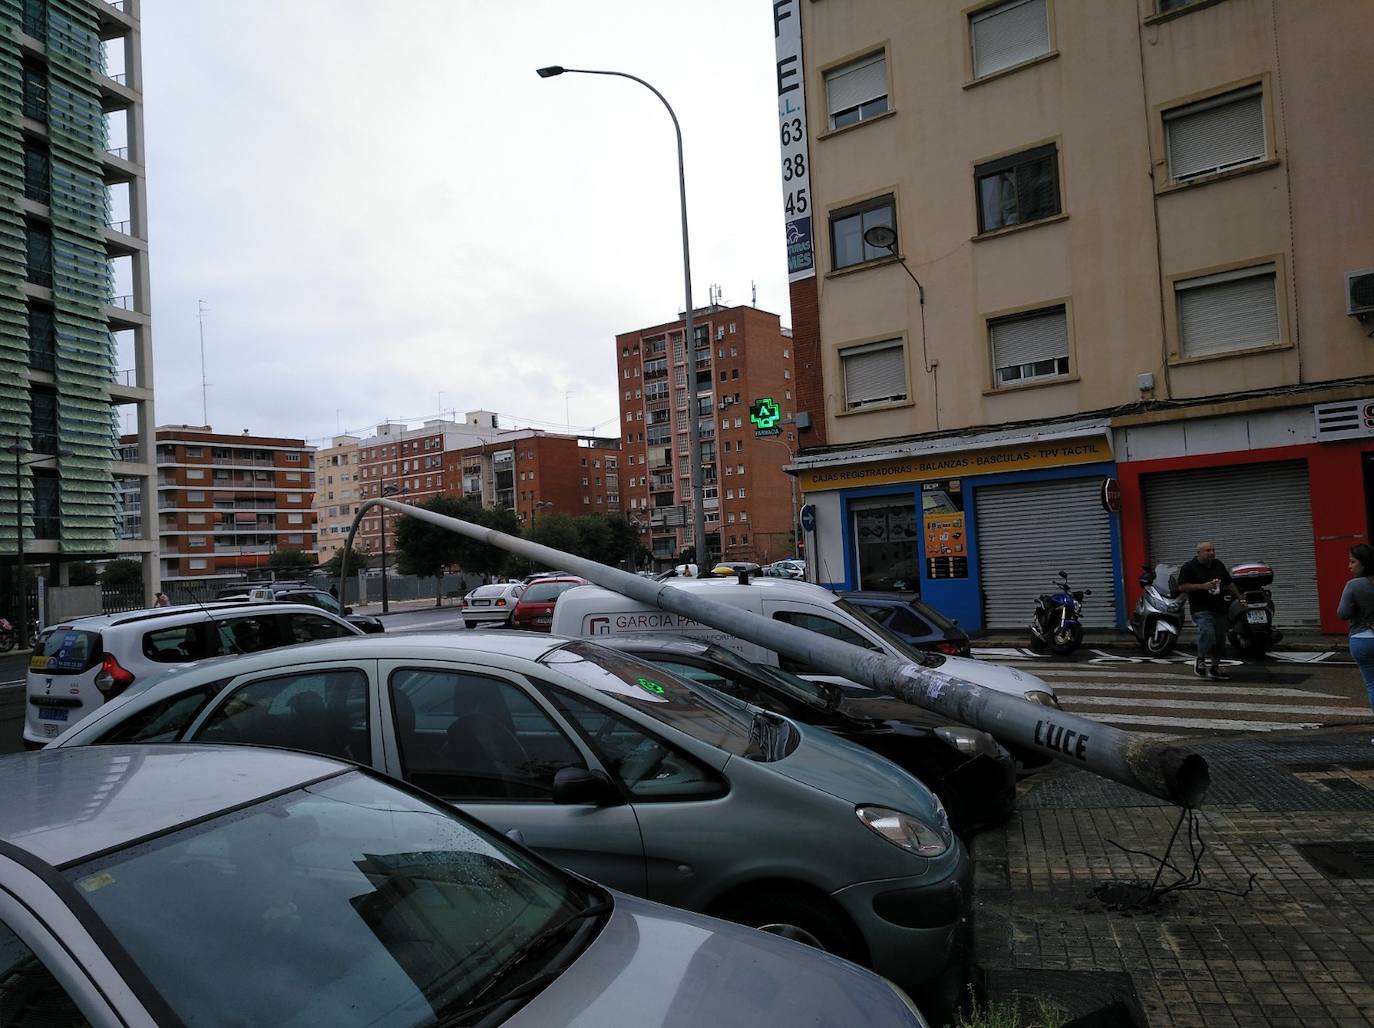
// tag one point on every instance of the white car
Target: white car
(490, 605)
(79, 664)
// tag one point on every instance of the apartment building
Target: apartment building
(533, 472)
(1084, 284)
(227, 502)
(740, 355)
(75, 330)
(336, 494)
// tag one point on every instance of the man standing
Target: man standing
(1209, 588)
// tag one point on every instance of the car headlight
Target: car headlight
(904, 830)
(969, 742)
(1045, 699)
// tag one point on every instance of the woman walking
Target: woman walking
(1357, 607)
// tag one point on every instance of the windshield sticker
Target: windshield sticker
(650, 686)
(96, 882)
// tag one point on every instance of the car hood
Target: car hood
(856, 775)
(994, 676)
(655, 966)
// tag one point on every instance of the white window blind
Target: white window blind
(874, 374)
(1009, 34)
(856, 84)
(1030, 339)
(1225, 132)
(1230, 311)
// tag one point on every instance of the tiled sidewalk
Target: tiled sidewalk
(1298, 950)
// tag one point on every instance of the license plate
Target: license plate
(1257, 617)
(52, 714)
(481, 603)
(543, 621)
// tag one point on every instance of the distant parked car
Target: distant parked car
(299, 592)
(534, 610)
(916, 623)
(78, 665)
(786, 568)
(491, 605)
(208, 885)
(971, 773)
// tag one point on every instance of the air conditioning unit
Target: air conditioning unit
(1359, 293)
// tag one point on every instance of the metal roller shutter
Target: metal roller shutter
(1030, 531)
(1254, 512)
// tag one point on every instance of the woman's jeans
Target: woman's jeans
(1362, 649)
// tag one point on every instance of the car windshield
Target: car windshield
(896, 642)
(543, 592)
(343, 902)
(810, 693)
(692, 709)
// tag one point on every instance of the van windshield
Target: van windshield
(898, 644)
(652, 690)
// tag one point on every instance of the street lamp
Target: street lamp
(387, 490)
(884, 237)
(694, 432)
(18, 450)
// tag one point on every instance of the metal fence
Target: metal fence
(114, 599)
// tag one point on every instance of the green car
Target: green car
(615, 769)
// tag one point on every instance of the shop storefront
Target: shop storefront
(1298, 508)
(979, 531)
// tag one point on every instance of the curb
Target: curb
(1301, 642)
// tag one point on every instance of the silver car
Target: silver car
(490, 605)
(615, 769)
(168, 885)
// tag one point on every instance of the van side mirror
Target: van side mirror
(348, 610)
(572, 785)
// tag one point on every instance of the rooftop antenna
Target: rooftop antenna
(753, 293)
(204, 385)
(567, 411)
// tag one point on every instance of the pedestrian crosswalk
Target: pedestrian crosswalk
(1166, 698)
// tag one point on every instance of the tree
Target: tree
(290, 559)
(557, 531)
(122, 572)
(424, 549)
(82, 573)
(359, 557)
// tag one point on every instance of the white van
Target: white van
(593, 611)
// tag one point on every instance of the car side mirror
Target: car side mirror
(516, 836)
(348, 610)
(833, 694)
(572, 785)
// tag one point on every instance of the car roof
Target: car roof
(723, 583)
(95, 622)
(878, 596)
(62, 805)
(668, 644)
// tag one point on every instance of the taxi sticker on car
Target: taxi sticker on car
(39, 663)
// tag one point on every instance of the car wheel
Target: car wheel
(800, 918)
(466, 623)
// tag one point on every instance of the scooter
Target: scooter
(1056, 622)
(1250, 620)
(1158, 616)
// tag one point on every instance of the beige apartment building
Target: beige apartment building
(336, 494)
(1040, 245)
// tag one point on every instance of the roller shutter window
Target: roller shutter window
(1257, 512)
(856, 91)
(1215, 135)
(1030, 346)
(1029, 532)
(1234, 310)
(1008, 34)
(874, 373)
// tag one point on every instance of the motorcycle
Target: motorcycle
(1250, 620)
(1158, 616)
(8, 636)
(1056, 623)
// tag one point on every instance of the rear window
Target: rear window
(66, 651)
(488, 591)
(543, 592)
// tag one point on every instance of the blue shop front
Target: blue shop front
(978, 532)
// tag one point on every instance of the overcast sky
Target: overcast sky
(381, 202)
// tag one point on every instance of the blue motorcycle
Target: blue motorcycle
(1057, 624)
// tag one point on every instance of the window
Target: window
(294, 458)
(1233, 310)
(323, 711)
(1215, 135)
(874, 373)
(164, 721)
(295, 519)
(464, 736)
(847, 228)
(1008, 34)
(31, 993)
(742, 494)
(1030, 346)
(821, 626)
(1017, 189)
(195, 540)
(857, 91)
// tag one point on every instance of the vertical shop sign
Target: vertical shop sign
(942, 507)
(796, 159)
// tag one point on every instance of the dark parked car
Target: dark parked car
(917, 623)
(973, 776)
(298, 592)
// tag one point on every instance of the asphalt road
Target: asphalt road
(1114, 684)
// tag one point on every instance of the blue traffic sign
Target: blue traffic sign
(808, 517)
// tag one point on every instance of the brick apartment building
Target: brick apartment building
(533, 473)
(741, 355)
(226, 502)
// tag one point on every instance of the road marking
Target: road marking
(1123, 701)
(1218, 724)
(417, 625)
(12, 685)
(1073, 688)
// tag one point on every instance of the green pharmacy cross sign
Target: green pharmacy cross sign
(765, 414)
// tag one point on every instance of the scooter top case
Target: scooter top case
(1252, 575)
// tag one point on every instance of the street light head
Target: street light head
(882, 237)
(550, 71)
